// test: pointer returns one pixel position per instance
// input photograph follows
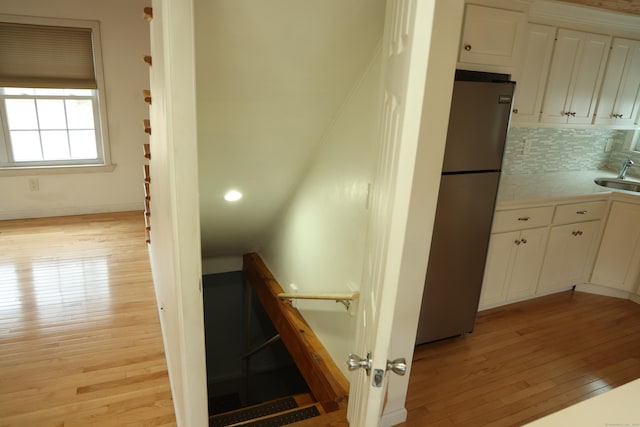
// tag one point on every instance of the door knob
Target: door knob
(356, 362)
(397, 366)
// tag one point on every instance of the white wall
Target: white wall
(125, 39)
(175, 221)
(270, 75)
(318, 243)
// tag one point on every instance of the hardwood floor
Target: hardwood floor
(80, 338)
(525, 361)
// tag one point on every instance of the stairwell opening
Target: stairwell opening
(236, 325)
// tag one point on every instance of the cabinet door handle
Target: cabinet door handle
(581, 212)
(523, 241)
(524, 218)
(517, 242)
(467, 47)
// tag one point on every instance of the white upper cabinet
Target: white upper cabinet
(577, 67)
(620, 95)
(533, 76)
(492, 36)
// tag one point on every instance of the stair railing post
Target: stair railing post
(247, 360)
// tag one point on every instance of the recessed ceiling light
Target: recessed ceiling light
(233, 196)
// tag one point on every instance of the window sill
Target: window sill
(55, 170)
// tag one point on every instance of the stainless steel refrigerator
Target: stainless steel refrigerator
(478, 122)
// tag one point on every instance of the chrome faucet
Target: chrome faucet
(625, 167)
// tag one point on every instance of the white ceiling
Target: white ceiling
(271, 75)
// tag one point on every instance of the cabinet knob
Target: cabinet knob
(515, 111)
(467, 47)
(517, 242)
(524, 241)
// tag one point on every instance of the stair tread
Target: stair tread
(260, 410)
(283, 418)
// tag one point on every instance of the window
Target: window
(51, 126)
(51, 109)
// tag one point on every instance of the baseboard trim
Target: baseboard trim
(393, 418)
(72, 210)
(603, 290)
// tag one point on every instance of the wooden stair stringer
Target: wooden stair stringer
(325, 380)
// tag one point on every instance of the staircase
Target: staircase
(326, 402)
(278, 412)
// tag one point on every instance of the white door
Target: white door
(419, 54)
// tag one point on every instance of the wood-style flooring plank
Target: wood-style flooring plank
(80, 338)
(526, 360)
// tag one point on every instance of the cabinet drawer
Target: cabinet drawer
(579, 212)
(518, 219)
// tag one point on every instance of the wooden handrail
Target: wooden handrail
(329, 297)
(325, 380)
(344, 299)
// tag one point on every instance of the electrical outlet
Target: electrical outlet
(34, 184)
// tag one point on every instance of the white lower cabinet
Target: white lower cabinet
(537, 250)
(513, 265)
(569, 255)
(618, 261)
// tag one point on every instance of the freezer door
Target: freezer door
(458, 253)
(477, 126)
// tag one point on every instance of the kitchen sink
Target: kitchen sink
(618, 184)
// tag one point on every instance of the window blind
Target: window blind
(45, 56)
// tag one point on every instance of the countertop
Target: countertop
(617, 407)
(545, 187)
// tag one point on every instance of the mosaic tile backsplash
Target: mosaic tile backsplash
(541, 150)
